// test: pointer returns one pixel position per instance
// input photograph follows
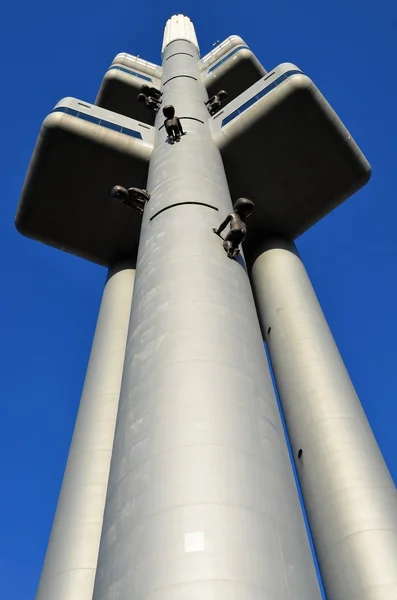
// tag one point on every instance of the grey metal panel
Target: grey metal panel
(72, 554)
(65, 201)
(201, 500)
(349, 496)
(285, 148)
(186, 68)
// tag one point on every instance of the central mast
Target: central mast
(201, 500)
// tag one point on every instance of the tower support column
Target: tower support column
(70, 564)
(349, 496)
(201, 501)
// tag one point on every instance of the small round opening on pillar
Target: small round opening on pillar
(269, 330)
(300, 452)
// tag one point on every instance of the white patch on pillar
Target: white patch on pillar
(194, 541)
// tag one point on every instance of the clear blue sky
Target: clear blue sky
(49, 300)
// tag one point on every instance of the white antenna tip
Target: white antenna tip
(179, 27)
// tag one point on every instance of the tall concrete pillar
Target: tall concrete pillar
(349, 496)
(72, 553)
(201, 501)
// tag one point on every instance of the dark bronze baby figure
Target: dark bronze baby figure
(151, 92)
(133, 197)
(150, 102)
(172, 124)
(242, 209)
(214, 104)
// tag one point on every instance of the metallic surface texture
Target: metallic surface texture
(349, 496)
(201, 502)
(71, 559)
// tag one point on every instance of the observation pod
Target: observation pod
(231, 66)
(81, 152)
(122, 83)
(284, 147)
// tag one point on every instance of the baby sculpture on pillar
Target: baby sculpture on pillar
(133, 197)
(172, 125)
(151, 97)
(242, 209)
(214, 104)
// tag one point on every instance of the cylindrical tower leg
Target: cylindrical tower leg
(201, 501)
(349, 495)
(72, 554)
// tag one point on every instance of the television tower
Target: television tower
(178, 483)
